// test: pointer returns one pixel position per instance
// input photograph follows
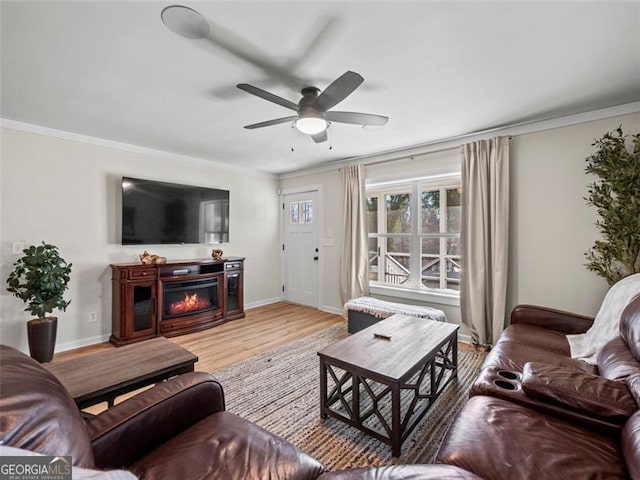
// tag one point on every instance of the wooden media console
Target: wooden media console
(174, 298)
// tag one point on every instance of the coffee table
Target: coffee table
(103, 376)
(383, 379)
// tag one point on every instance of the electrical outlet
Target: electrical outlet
(93, 317)
(17, 248)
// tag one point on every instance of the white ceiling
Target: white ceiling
(438, 69)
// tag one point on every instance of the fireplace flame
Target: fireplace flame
(190, 303)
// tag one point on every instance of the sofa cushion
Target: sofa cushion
(507, 355)
(630, 326)
(225, 446)
(633, 384)
(533, 336)
(631, 445)
(37, 413)
(615, 360)
(574, 389)
(496, 439)
(402, 472)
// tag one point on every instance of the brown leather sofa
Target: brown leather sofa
(534, 413)
(176, 430)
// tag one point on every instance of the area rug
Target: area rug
(279, 390)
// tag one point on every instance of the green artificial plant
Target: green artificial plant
(616, 196)
(40, 278)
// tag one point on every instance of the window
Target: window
(414, 236)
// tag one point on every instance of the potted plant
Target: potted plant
(39, 279)
(616, 196)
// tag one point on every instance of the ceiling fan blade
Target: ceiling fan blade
(340, 89)
(270, 97)
(328, 26)
(191, 24)
(185, 21)
(268, 123)
(320, 137)
(355, 118)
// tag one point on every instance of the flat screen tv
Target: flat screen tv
(156, 213)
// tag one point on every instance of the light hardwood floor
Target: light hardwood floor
(263, 329)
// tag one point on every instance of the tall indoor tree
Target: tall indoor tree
(616, 196)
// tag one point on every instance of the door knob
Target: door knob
(315, 258)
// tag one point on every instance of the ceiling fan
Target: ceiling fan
(313, 115)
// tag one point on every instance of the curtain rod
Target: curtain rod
(439, 150)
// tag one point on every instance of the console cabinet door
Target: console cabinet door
(141, 317)
(233, 292)
(134, 311)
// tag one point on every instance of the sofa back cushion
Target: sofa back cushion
(37, 413)
(631, 445)
(630, 326)
(615, 361)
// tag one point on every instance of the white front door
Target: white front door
(301, 257)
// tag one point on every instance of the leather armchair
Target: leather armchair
(177, 429)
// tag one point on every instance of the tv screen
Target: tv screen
(167, 213)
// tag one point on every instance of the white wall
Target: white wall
(551, 225)
(68, 193)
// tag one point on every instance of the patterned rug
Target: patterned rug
(279, 390)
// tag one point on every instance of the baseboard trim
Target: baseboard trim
(84, 342)
(328, 309)
(261, 303)
(464, 338)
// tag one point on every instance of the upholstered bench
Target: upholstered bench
(366, 311)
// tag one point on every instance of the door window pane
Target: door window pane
(293, 210)
(307, 211)
(301, 212)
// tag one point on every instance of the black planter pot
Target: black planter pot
(41, 333)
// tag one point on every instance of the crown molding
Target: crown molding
(385, 156)
(522, 128)
(126, 147)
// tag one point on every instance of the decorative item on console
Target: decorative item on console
(216, 254)
(149, 259)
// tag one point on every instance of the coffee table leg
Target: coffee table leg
(323, 388)
(396, 430)
(454, 354)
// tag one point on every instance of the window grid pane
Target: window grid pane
(398, 213)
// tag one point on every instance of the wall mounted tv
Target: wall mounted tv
(156, 213)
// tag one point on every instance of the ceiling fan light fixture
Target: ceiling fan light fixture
(311, 125)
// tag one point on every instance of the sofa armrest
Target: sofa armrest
(575, 389)
(552, 319)
(137, 426)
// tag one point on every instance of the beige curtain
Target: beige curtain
(485, 238)
(354, 270)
